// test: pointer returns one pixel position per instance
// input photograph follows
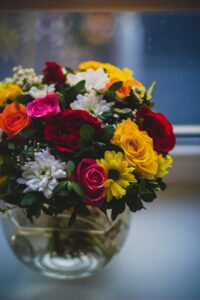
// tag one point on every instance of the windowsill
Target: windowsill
(186, 166)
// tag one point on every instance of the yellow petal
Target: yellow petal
(108, 155)
(119, 156)
(117, 190)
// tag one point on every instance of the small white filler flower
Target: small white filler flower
(42, 174)
(92, 102)
(94, 79)
(42, 91)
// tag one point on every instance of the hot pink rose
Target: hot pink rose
(91, 178)
(42, 107)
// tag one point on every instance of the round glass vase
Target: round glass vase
(56, 250)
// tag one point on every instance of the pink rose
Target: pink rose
(42, 107)
(91, 178)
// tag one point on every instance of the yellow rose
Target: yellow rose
(113, 72)
(8, 91)
(163, 164)
(138, 148)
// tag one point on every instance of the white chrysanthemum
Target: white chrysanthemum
(92, 102)
(41, 174)
(94, 79)
(42, 91)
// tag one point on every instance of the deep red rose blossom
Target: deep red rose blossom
(62, 131)
(91, 178)
(158, 128)
(53, 73)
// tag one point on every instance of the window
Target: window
(158, 46)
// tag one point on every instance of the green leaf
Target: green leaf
(113, 147)
(161, 184)
(60, 186)
(115, 86)
(117, 208)
(69, 70)
(86, 135)
(28, 132)
(69, 185)
(30, 199)
(77, 188)
(79, 87)
(123, 111)
(63, 194)
(70, 168)
(106, 133)
(150, 90)
(111, 96)
(132, 198)
(148, 196)
(23, 99)
(142, 186)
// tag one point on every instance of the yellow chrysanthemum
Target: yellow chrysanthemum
(118, 172)
(138, 148)
(163, 164)
(2, 178)
(113, 72)
(8, 91)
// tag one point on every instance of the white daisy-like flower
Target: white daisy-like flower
(92, 102)
(42, 91)
(42, 174)
(94, 79)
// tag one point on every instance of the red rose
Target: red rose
(91, 178)
(53, 73)
(158, 128)
(62, 130)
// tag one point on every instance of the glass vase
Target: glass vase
(52, 247)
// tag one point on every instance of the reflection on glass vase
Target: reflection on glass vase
(56, 250)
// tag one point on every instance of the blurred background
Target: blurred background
(161, 259)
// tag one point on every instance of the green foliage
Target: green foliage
(69, 93)
(77, 189)
(110, 96)
(133, 101)
(60, 187)
(86, 135)
(148, 187)
(70, 168)
(115, 86)
(118, 207)
(30, 199)
(29, 132)
(132, 198)
(150, 90)
(24, 99)
(113, 147)
(106, 134)
(69, 70)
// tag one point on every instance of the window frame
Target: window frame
(101, 5)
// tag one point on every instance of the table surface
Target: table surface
(159, 261)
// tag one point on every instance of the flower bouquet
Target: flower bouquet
(78, 147)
